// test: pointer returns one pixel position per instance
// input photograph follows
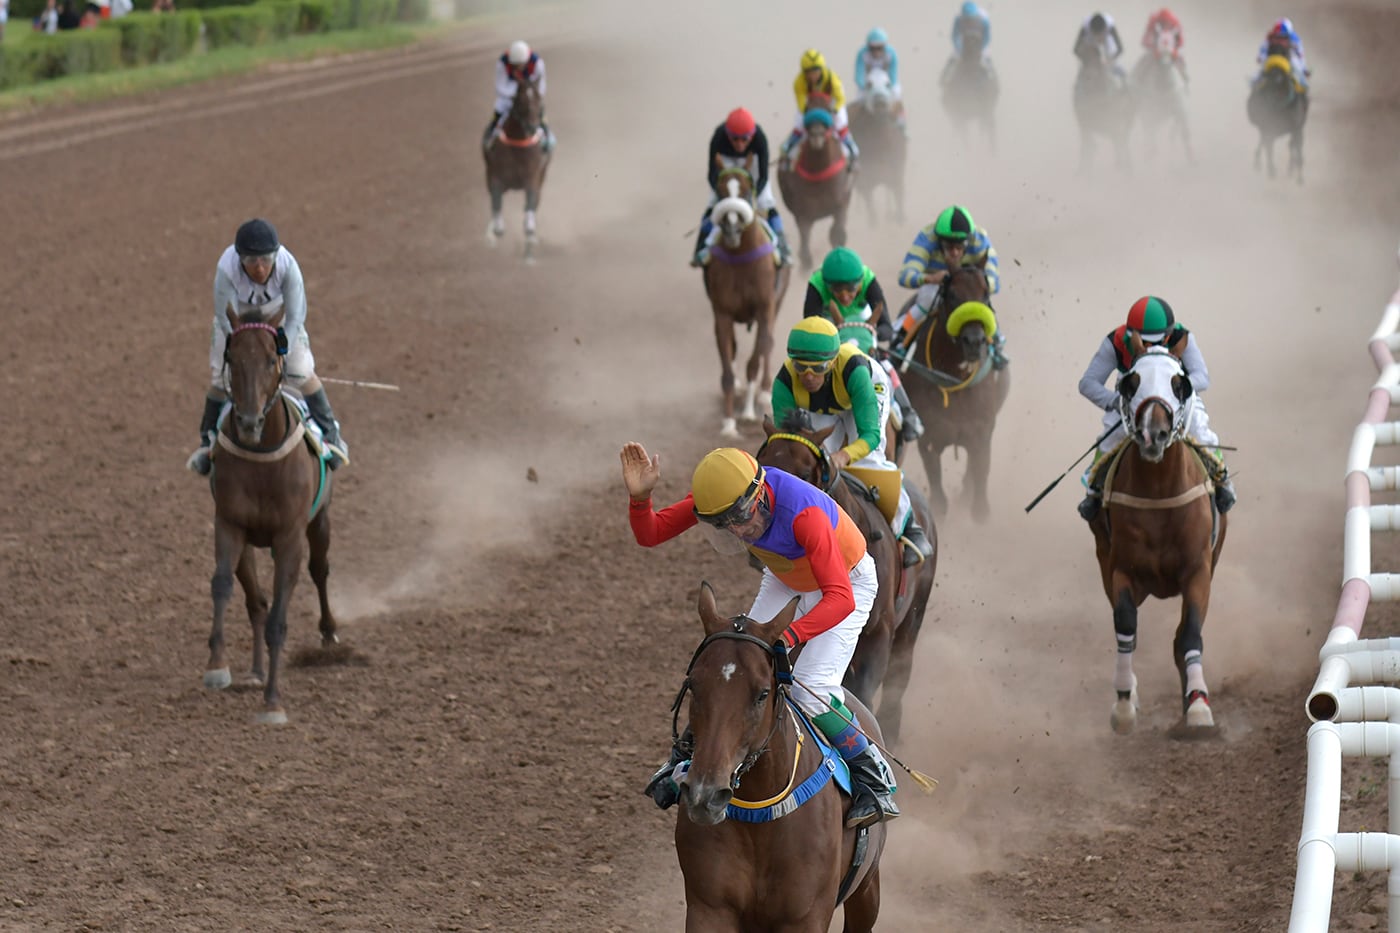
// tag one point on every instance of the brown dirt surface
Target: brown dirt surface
(473, 761)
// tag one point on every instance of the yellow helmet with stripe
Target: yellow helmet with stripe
(725, 486)
(813, 59)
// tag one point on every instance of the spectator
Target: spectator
(68, 17)
(163, 6)
(4, 17)
(47, 21)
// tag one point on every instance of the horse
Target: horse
(1278, 107)
(1160, 92)
(1103, 106)
(792, 871)
(269, 491)
(884, 656)
(970, 92)
(517, 157)
(744, 287)
(883, 146)
(959, 393)
(1158, 533)
(817, 184)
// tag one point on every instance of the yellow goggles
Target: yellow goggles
(815, 367)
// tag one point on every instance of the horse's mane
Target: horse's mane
(247, 313)
(796, 420)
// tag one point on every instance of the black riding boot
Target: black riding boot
(490, 128)
(1089, 505)
(999, 357)
(199, 461)
(662, 787)
(911, 425)
(917, 547)
(872, 801)
(321, 413)
(702, 254)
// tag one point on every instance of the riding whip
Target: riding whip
(361, 385)
(926, 783)
(1102, 437)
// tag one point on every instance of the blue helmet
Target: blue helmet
(877, 36)
(1284, 27)
(969, 9)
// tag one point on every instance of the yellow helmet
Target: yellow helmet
(813, 59)
(725, 486)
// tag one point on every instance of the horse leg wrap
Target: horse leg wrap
(1123, 667)
(1195, 674)
(838, 726)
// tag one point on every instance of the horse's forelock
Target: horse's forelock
(796, 420)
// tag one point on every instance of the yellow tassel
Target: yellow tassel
(926, 783)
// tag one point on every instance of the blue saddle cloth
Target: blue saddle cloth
(831, 767)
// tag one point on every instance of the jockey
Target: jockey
(811, 550)
(733, 141)
(816, 78)
(878, 55)
(845, 291)
(1164, 23)
(950, 241)
(833, 381)
(1284, 40)
(516, 64)
(971, 25)
(1152, 320)
(257, 270)
(1098, 36)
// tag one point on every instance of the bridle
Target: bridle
(280, 341)
(736, 633)
(1133, 424)
(828, 476)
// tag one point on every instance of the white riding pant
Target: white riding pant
(840, 121)
(824, 659)
(876, 459)
(764, 203)
(299, 366)
(1197, 427)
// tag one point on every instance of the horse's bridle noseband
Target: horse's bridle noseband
(736, 633)
(280, 341)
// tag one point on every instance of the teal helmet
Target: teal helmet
(877, 36)
(969, 9)
(955, 223)
(842, 265)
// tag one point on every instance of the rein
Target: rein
(826, 174)
(828, 475)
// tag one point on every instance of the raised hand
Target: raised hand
(639, 472)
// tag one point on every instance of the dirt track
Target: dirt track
(477, 764)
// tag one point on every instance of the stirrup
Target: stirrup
(200, 462)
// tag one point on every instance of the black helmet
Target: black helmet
(257, 237)
(1097, 23)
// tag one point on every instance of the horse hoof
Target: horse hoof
(1199, 716)
(729, 428)
(218, 680)
(1123, 717)
(252, 679)
(271, 717)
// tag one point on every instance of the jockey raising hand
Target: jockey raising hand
(878, 55)
(1153, 321)
(845, 291)
(814, 77)
(517, 63)
(833, 381)
(810, 549)
(258, 270)
(733, 143)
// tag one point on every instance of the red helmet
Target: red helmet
(739, 123)
(1167, 16)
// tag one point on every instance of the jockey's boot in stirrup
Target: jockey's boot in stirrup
(911, 425)
(1090, 504)
(662, 788)
(320, 409)
(999, 357)
(199, 461)
(1224, 489)
(917, 547)
(490, 130)
(871, 801)
(775, 223)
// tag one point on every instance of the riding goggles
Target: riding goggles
(815, 367)
(946, 244)
(743, 509)
(739, 138)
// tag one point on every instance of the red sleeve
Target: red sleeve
(651, 528)
(812, 529)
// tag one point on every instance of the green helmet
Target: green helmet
(814, 338)
(842, 265)
(955, 223)
(859, 333)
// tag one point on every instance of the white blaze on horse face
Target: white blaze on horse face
(727, 672)
(1155, 370)
(733, 185)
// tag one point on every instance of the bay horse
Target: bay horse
(884, 656)
(1277, 107)
(1103, 106)
(817, 184)
(883, 148)
(970, 92)
(957, 392)
(793, 870)
(1158, 533)
(745, 287)
(517, 157)
(270, 491)
(1160, 92)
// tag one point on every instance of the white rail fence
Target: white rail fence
(1352, 717)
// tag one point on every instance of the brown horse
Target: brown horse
(270, 491)
(884, 656)
(817, 184)
(790, 872)
(1158, 533)
(745, 287)
(517, 155)
(958, 393)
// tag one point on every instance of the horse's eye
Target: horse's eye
(762, 697)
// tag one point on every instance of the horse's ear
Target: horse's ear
(1176, 348)
(1181, 386)
(709, 612)
(819, 437)
(783, 619)
(276, 319)
(1128, 385)
(769, 428)
(232, 315)
(1135, 343)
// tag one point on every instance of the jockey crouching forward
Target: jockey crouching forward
(1098, 40)
(878, 55)
(1164, 32)
(258, 270)
(971, 34)
(732, 144)
(833, 381)
(816, 78)
(516, 64)
(810, 549)
(1153, 321)
(1283, 39)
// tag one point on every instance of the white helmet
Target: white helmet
(519, 53)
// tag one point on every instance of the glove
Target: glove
(782, 664)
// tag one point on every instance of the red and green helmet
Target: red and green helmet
(1152, 318)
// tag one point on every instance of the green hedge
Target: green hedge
(238, 25)
(148, 38)
(72, 52)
